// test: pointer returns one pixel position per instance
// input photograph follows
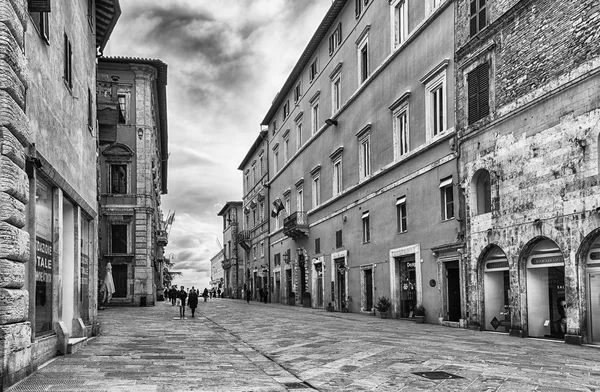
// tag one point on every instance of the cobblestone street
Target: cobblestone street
(235, 346)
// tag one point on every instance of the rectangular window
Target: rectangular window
(447, 197)
(277, 259)
(90, 114)
(478, 84)
(401, 214)
(299, 134)
(123, 108)
(276, 161)
(313, 70)
(336, 92)
(254, 252)
(399, 12)
(316, 190)
(300, 198)
(315, 117)
(363, 59)
(90, 12)
(261, 169)
(297, 92)
(286, 150)
(262, 249)
(40, 21)
(286, 109)
(254, 178)
(317, 245)
(261, 212)
(68, 63)
(253, 217)
(337, 176)
(288, 206)
(364, 156)
(335, 39)
(358, 7)
(478, 19)
(437, 113)
(274, 126)
(247, 176)
(401, 131)
(118, 238)
(365, 227)
(339, 239)
(118, 179)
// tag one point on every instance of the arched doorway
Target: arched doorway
(546, 305)
(496, 285)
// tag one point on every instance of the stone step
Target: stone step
(75, 344)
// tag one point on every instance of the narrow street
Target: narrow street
(235, 346)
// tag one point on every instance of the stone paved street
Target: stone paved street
(234, 346)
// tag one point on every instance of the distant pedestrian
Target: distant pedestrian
(248, 294)
(182, 295)
(205, 294)
(193, 300)
(173, 294)
(265, 295)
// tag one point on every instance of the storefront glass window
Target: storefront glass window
(84, 298)
(497, 291)
(408, 286)
(44, 254)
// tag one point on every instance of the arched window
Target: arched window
(483, 192)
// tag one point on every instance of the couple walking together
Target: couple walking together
(192, 301)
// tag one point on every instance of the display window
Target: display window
(496, 284)
(44, 258)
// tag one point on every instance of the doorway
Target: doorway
(594, 305)
(340, 271)
(319, 285)
(496, 285)
(120, 278)
(368, 290)
(289, 292)
(277, 292)
(453, 290)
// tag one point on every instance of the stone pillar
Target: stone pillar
(15, 330)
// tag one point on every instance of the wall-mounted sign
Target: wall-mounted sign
(547, 260)
(38, 5)
(595, 256)
(497, 264)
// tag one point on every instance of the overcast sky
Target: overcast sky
(227, 59)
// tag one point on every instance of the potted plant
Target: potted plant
(330, 307)
(383, 305)
(419, 314)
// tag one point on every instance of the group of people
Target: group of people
(180, 297)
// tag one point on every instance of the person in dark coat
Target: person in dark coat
(205, 294)
(182, 295)
(173, 294)
(193, 300)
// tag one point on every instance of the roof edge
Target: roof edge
(261, 136)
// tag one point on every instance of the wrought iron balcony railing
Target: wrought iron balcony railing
(296, 225)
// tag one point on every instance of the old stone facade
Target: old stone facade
(48, 210)
(133, 175)
(233, 257)
(254, 234)
(528, 118)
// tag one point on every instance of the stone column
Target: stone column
(15, 330)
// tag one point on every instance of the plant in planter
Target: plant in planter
(419, 313)
(383, 305)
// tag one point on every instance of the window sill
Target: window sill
(448, 220)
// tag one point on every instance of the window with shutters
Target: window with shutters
(317, 245)
(297, 92)
(286, 109)
(313, 70)
(40, 21)
(478, 17)
(358, 4)
(336, 91)
(478, 85)
(338, 239)
(68, 63)
(335, 39)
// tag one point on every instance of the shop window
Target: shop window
(408, 285)
(44, 257)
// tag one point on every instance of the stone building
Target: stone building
(254, 236)
(233, 260)
(217, 276)
(528, 115)
(363, 167)
(48, 205)
(132, 114)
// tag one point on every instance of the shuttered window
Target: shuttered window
(335, 39)
(338, 239)
(317, 245)
(478, 82)
(478, 17)
(68, 66)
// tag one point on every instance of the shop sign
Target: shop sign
(547, 260)
(595, 256)
(38, 5)
(43, 265)
(497, 264)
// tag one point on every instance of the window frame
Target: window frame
(68, 63)
(41, 22)
(335, 39)
(313, 70)
(111, 226)
(316, 188)
(401, 148)
(337, 185)
(110, 189)
(286, 148)
(297, 92)
(401, 215)
(366, 227)
(363, 58)
(447, 189)
(300, 198)
(336, 91)
(314, 116)
(475, 21)
(476, 73)
(364, 156)
(399, 22)
(432, 85)
(286, 109)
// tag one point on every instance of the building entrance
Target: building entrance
(277, 291)
(368, 290)
(453, 290)
(288, 281)
(340, 272)
(120, 278)
(496, 285)
(319, 285)
(408, 285)
(594, 305)
(546, 305)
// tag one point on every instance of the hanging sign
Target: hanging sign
(38, 5)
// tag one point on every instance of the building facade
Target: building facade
(217, 276)
(254, 236)
(132, 113)
(527, 111)
(233, 263)
(48, 205)
(363, 164)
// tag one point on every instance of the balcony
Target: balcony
(244, 239)
(296, 225)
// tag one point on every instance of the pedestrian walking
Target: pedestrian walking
(205, 294)
(266, 294)
(182, 295)
(173, 294)
(193, 300)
